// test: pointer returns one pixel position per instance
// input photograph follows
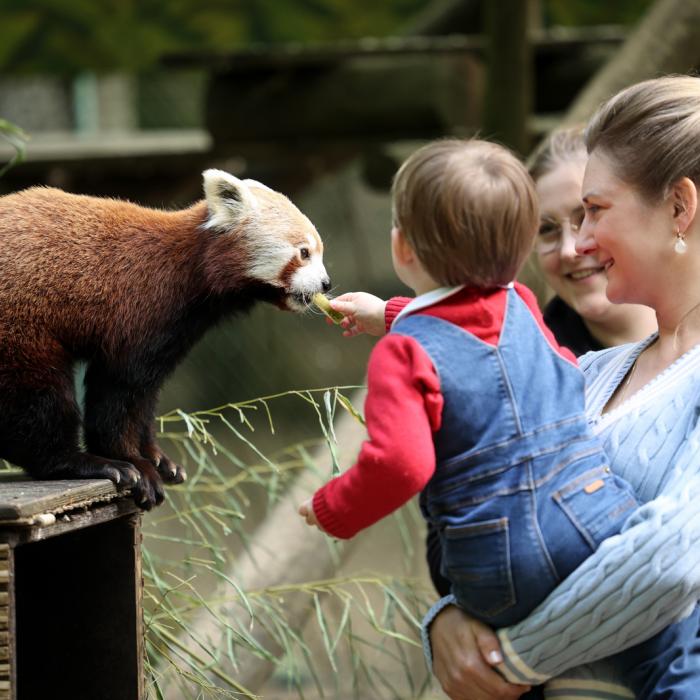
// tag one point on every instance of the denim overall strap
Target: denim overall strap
(495, 394)
(504, 404)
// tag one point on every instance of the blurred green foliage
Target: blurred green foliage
(72, 35)
(17, 139)
(66, 36)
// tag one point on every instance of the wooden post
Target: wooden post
(6, 588)
(71, 622)
(509, 73)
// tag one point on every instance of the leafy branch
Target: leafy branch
(17, 139)
(189, 566)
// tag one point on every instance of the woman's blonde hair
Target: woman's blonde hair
(469, 210)
(651, 133)
(561, 147)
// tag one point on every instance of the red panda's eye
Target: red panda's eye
(304, 252)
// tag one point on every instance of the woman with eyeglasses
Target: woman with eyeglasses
(580, 315)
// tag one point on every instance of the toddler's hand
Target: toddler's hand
(306, 510)
(364, 313)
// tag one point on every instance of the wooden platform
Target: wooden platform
(71, 622)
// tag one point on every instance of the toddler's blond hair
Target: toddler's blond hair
(469, 210)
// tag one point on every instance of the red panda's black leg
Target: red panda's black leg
(39, 430)
(119, 410)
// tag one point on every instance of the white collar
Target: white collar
(422, 301)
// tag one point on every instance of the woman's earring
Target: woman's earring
(681, 247)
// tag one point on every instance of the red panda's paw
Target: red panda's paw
(84, 465)
(123, 474)
(148, 492)
(170, 472)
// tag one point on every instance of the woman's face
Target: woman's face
(577, 279)
(627, 236)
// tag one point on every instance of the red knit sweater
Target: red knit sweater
(403, 409)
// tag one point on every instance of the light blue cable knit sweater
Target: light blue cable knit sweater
(647, 577)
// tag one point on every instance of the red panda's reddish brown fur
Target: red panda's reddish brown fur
(129, 290)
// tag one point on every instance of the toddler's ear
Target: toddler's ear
(401, 248)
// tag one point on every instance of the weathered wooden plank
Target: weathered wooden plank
(5, 656)
(19, 532)
(6, 673)
(24, 498)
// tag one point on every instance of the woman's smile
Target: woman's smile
(584, 273)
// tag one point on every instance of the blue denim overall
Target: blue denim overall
(522, 493)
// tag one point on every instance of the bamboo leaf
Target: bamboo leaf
(324, 633)
(345, 402)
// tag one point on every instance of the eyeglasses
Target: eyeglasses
(550, 236)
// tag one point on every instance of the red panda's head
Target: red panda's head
(277, 244)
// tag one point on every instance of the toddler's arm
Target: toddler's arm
(306, 510)
(364, 313)
(402, 409)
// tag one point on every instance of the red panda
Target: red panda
(128, 290)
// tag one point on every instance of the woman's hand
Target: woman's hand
(364, 313)
(464, 654)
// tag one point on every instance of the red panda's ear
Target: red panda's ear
(228, 198)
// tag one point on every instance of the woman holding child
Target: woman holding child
(640, 194)
(643, 176)
(580, 314)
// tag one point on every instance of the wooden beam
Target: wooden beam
(666, 40)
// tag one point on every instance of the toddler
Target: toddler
(471, 402)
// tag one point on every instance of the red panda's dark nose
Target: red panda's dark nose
(326, 284)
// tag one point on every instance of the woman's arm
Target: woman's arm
(634, 585)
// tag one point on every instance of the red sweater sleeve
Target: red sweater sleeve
(403, 409)
(392, 309)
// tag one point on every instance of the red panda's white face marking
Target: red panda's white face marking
(282, 247)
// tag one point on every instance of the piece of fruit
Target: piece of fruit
(322, 302)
